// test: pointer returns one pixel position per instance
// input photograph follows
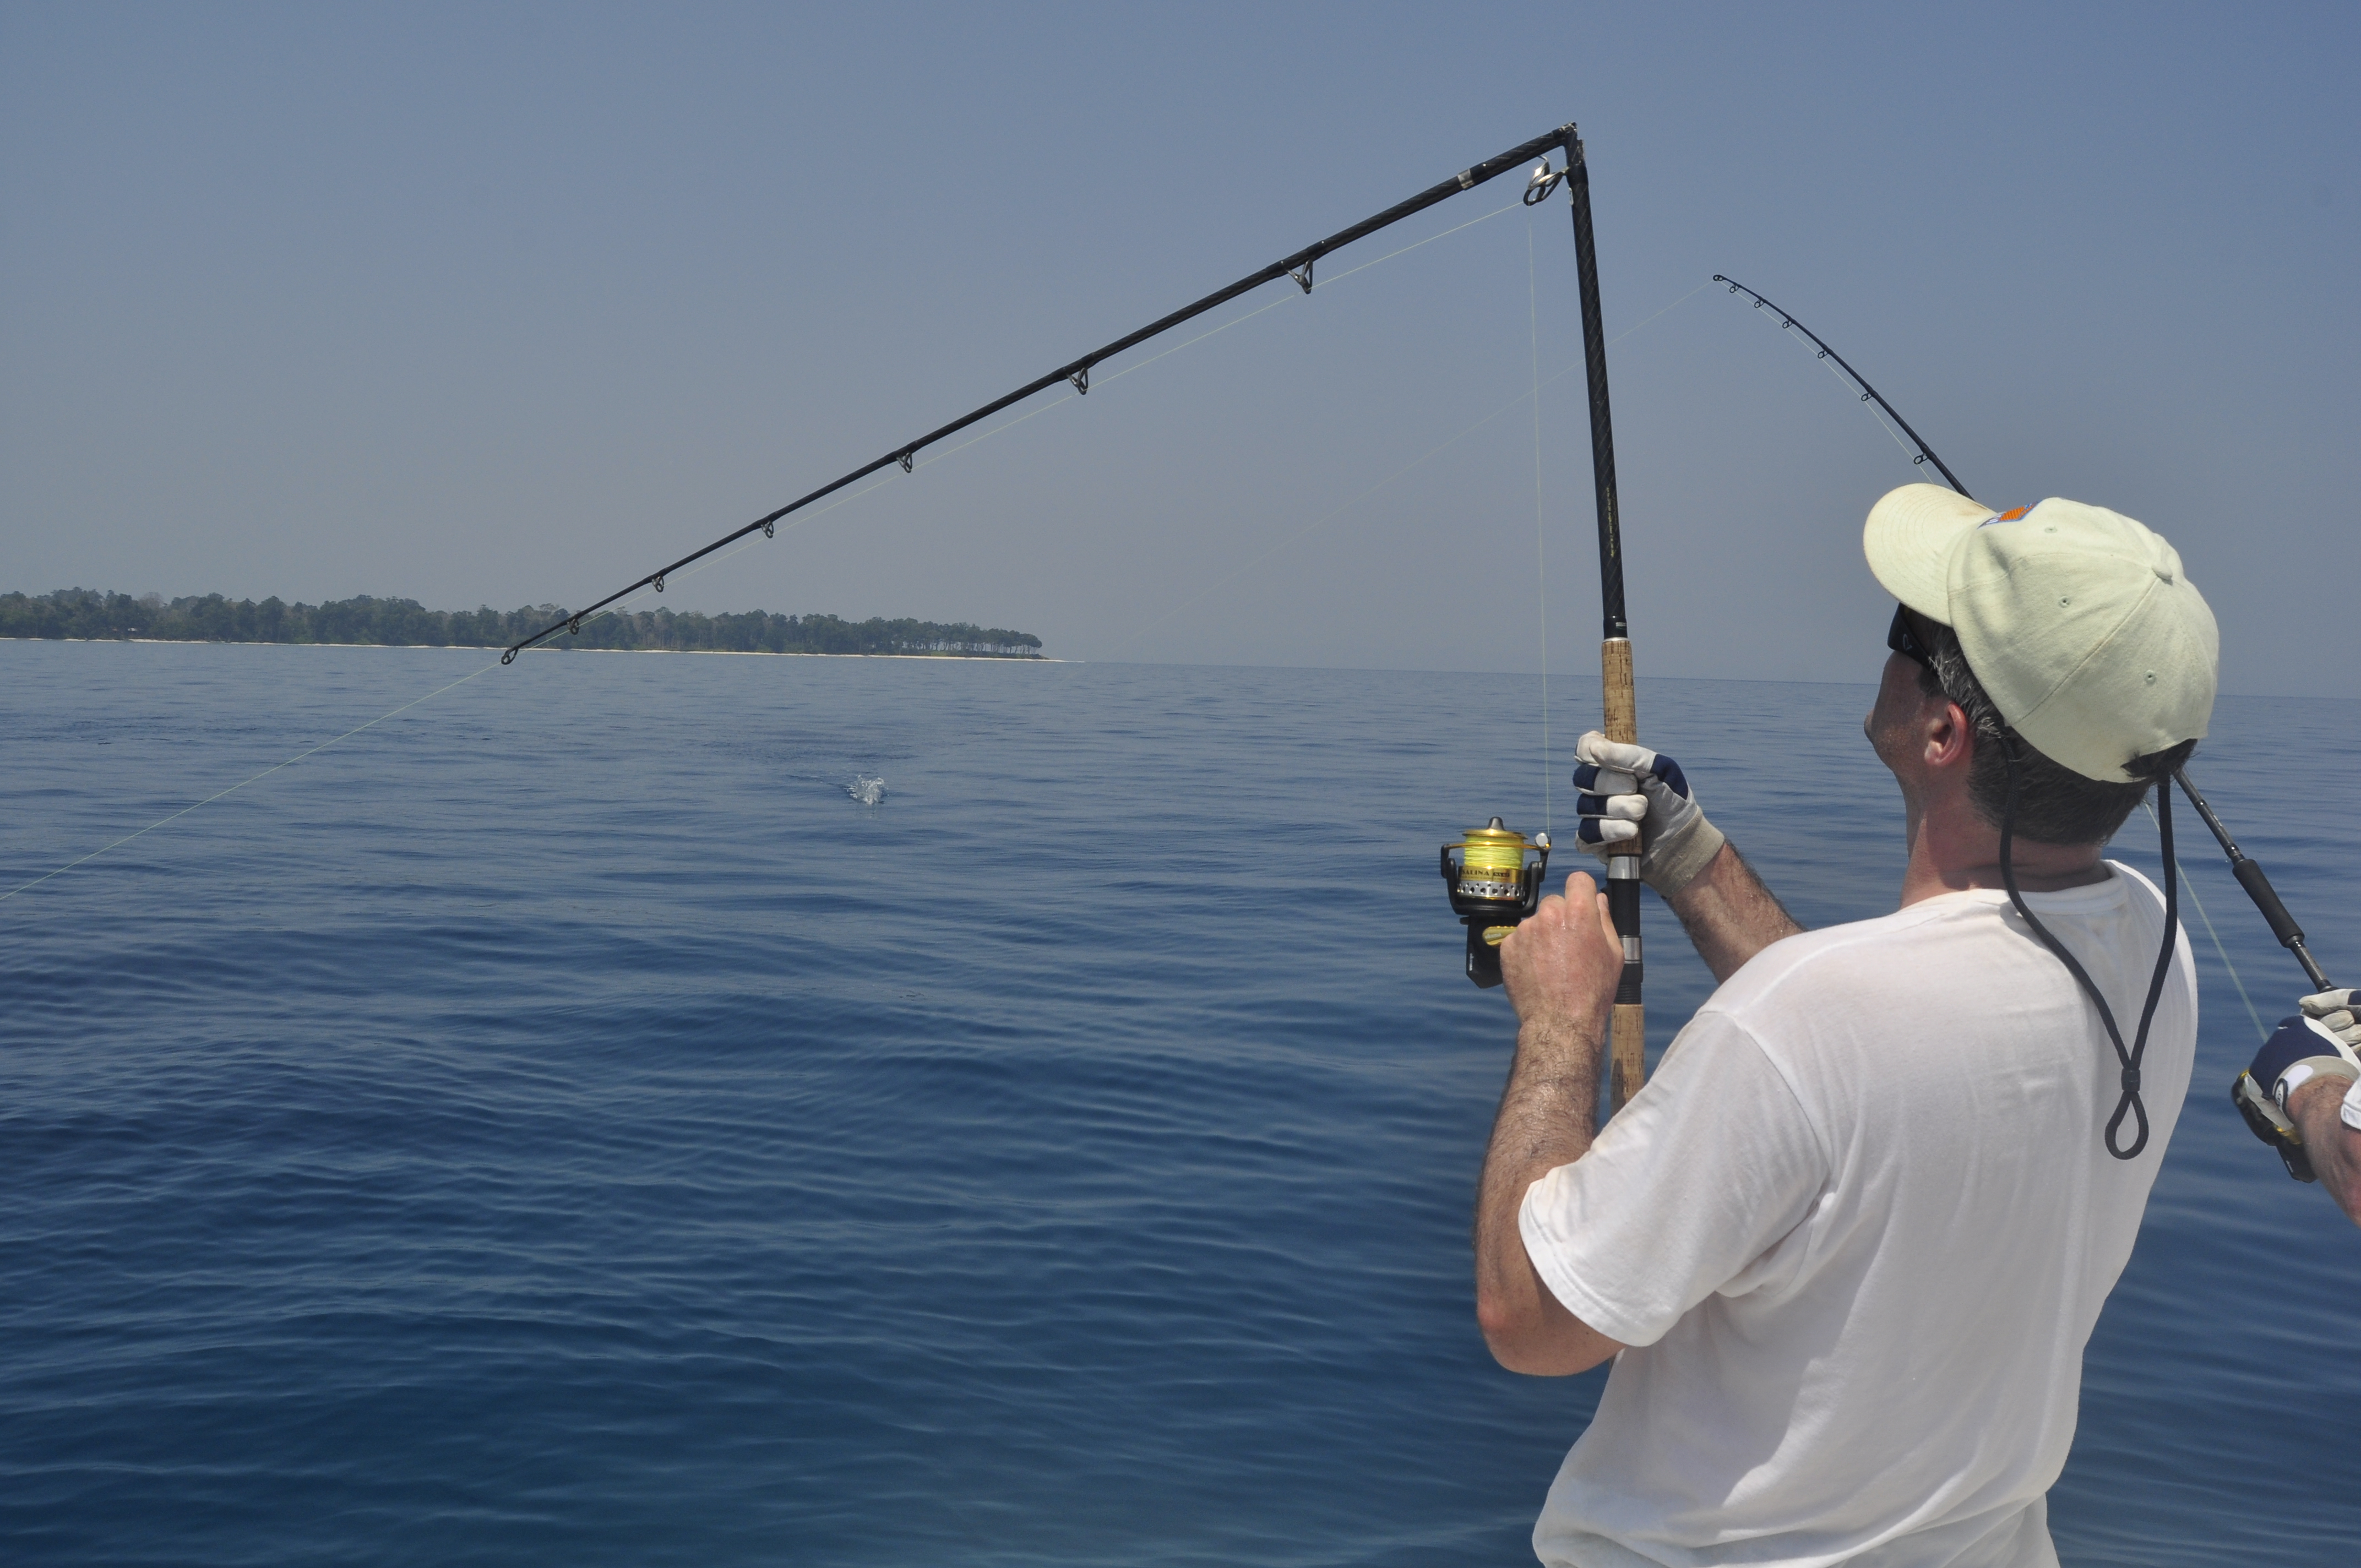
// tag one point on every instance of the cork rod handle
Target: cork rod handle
(1622, 701)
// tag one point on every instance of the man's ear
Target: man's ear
(1950, 738)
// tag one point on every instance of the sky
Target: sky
(508, 304)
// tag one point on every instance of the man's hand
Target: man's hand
(2308, 1066)
(1563, 964)
(1723, 906)
(1561, 967)
(1624, 786)
(2331, 1142)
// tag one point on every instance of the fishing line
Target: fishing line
(2260, 1033)
(1635, 326)
(617, 610)
(1922, 454)
(1541, 563)
(1315, 525)
(1191, 343)
(1430, 239)
(1873, 413)
(1142, 365)
(1283, 299)
(241, 784)
(1787, 326)
(1166, 353)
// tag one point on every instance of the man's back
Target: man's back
(1858, 1231)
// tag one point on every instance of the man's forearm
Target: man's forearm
(1548, 1115)
(1730, 915)
(2334, 1148)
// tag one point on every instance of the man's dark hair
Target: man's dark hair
(2054, 804)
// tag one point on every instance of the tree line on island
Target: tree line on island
(90, 615)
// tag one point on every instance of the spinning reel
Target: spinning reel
(1494, 888)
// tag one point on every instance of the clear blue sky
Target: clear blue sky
(509, 304)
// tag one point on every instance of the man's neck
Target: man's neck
(1953, 849)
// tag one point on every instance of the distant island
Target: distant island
(89, 615)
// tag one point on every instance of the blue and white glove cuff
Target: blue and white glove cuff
(2337, 1061)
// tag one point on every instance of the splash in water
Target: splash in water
(867, 790)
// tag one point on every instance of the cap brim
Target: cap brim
(1909, 538)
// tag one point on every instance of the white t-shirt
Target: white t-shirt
(1857, 1230)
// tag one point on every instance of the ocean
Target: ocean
(653, 1109)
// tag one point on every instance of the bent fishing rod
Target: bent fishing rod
(1077, 373)
(2249, 874)
(1494, 885)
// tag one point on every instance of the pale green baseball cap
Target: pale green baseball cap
(2078, 623)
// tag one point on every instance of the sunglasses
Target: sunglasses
(1904, 639)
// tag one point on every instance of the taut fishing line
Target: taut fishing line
(1541, 562)
(241, 784)
(1283, 299)
(2223, 953)
(1920, 453)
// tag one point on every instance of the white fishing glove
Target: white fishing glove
(2338, 1011)
(1624, 786)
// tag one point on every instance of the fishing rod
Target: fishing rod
(2249, 874)
(1077, 373)
(1493, 884)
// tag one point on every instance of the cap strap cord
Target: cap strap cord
(2130, 1060)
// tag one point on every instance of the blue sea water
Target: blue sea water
(648, 1109)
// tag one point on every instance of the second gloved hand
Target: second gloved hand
(1627, 789)
(2308, 1046)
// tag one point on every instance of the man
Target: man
(2311, 1069)
(1848, 1245)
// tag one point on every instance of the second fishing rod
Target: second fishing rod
(2250, 875)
